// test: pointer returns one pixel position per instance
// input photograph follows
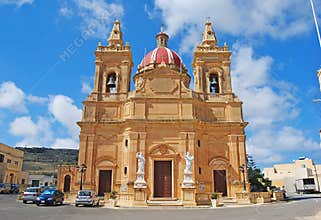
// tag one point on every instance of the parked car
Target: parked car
(86, 197)
(50, 197)
(14, 188)
(4, 188)
(30, 194)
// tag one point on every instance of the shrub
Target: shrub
(113, 194)
(214, 195)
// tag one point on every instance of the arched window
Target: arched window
(214, 84)
(111, 83)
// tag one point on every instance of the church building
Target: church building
(161, 141)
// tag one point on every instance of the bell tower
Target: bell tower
(113, 65)
(211, 65)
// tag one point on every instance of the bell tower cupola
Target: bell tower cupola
(115, 37)
(211, 65)
(113, 66)
(209, 37)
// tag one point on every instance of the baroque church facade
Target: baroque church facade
(161, 141)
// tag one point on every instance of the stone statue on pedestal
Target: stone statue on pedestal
(140, 180)
(188, 174)
(141, 162)
(188, 159)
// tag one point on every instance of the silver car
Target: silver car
(30, 194)
(86, 197)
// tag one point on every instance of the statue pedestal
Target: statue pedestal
(140, 181)
(188, 180)
(140, 197)
(188, 196)
(188, 189)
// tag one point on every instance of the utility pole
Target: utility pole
(319, 71)
(316, 175)
(315, 22)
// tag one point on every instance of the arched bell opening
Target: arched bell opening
(214, 86)
(111, 85)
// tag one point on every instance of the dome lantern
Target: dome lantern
(162, 38)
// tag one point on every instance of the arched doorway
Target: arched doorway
(67, 183)
(220, 174)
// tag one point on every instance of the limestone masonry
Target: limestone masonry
(161, 141)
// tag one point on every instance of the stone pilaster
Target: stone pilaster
(227, 76)
(234, 154)
(132, 150)
(97, 75)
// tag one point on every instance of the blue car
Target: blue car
(50, 197)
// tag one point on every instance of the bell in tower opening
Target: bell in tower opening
(111, 83)
(214, 88)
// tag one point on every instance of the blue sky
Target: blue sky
(275, 58)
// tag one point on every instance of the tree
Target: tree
(256, 178)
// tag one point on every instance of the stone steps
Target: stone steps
(163, 202)
(228, 201)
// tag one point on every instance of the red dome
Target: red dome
(159, 55)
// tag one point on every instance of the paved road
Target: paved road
(303, 209)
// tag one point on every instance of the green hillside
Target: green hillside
(45, 160)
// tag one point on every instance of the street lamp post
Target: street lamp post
(242, 169)
(82, 170)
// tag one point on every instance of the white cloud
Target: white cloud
(269, 106)
(274, 18)
(41, 131)
(86, 88)
(150, 13)
(64, 143)
(96, 16)
(252, 82)
(37, 99)
(272, 144)
(16, 2)
(19, 125)
(11, 97)
(65, 11)
(64, 111)
(33, 133)
(189, 41)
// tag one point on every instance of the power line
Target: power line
(316, 22)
